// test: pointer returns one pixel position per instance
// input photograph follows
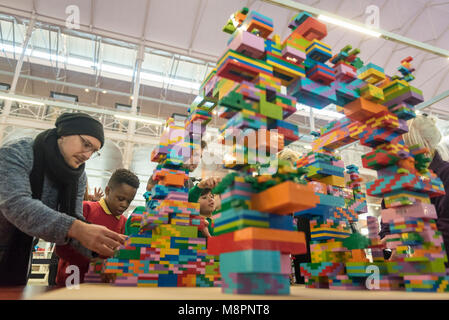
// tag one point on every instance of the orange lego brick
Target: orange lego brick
(362, 109)
(285, 198)
(311, 29)
(258, 239)
(173, 179)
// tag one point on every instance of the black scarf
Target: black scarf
(15, 266)
(48, 161)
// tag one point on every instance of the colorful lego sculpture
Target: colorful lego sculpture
(164, 248)
(256, 85)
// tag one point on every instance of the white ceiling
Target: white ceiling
(193, 27)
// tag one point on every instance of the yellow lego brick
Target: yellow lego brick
(333, 180)
(372, 76)
(372, 93)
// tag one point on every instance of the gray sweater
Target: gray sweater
(34, 217)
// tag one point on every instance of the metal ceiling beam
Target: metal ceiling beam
(432, 101)
(384, 34)
(79, 86)
(113, 35)
(196, 23)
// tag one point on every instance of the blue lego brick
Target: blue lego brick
(236, 214)
(167, 280)
(251, 261)
(320, 210)
(312, 93)
(283, 222)
(327, 169)
(370, 66)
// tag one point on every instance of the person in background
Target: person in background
(207, 207)
(96, 196)
(41, 192)
(289, 155)
(194, 162)
(151, 183)
(197, 190)
(302, 223)
(423, 131)
(108, 212)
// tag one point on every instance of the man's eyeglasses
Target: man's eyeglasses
(88, 147)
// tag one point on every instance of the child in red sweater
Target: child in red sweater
(120, 192)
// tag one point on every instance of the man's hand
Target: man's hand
(96, 238)
(209, 183)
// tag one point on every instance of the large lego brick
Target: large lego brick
(371, 73)
(399, 182)
(250, 261)
(418, 210)
(248, 44)
(285, 198)
(285, 70)
(319, 51)
(257, 21)
(321, 73)
(362, 109)
(237, 67)
(258, 239)
(426, 283)
(311, 29)
(256, 283)
(322, 269)
(312, 93)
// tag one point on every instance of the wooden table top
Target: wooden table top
(90, 291)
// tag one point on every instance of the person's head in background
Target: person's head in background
(207, 202)
(289, 155)
(121, 190)
(424, 131)
(196, 157)
(151, 183)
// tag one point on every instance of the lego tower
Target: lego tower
(167, 250)
(254, 230)
(256, 86)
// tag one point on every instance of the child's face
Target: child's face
(119, 198)
(217, 202)
(207, 204)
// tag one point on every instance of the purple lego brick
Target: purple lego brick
(248, 44)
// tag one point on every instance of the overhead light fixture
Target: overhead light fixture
(304, 110)
(347, 25)
(87, 90)
(138, 119)
(7, 97)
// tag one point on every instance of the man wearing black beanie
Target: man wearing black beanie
(41, 192)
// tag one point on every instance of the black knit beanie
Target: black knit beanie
(69, 124)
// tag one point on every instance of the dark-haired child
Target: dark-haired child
(207, 207)
(119, 193)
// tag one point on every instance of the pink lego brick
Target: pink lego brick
(294, 54)
(248, 44)
(418, 210)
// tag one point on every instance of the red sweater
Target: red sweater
(94, 213)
